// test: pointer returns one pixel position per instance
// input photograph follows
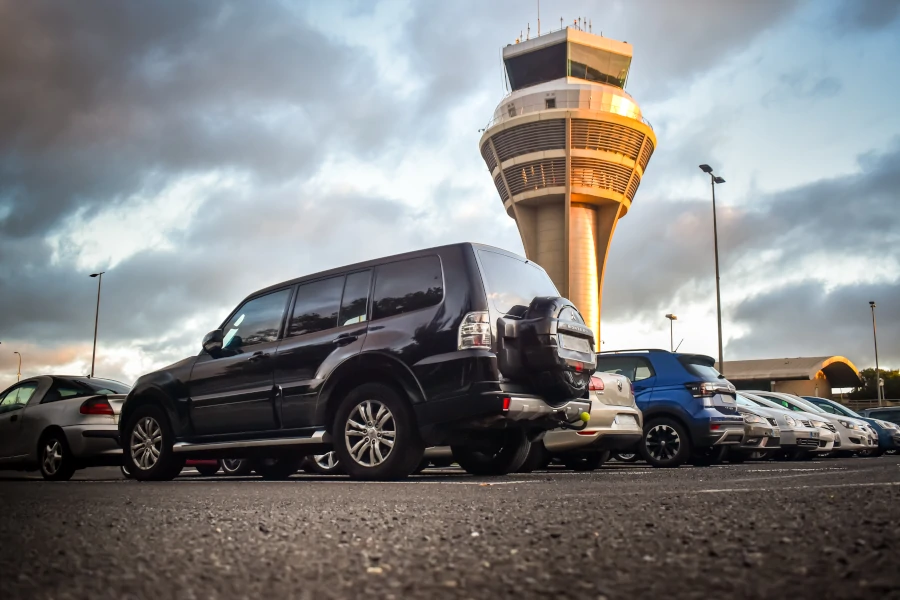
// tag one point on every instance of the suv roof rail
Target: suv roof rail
(633, 350)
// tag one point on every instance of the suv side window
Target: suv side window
(256, 321)
(407, 285)
(828, 408)
(892, 416)
(633, 367)
(355, 304)
(317, 306)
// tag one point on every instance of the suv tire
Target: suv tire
(236, 467)
(278, 469)
(586, 462)
(148, 439)
(536, 458)
(57, 462)
(665, 443)
(511, 451)
(375, 434)
(208, 470)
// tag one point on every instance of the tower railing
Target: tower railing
(532, 107)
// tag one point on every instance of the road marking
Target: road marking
(796, 470)
(798, 487)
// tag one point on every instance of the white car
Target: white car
(800, 437)
(855, 434)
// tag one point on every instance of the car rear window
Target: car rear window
(700, 366)
(513, 281)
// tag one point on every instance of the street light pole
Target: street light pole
(96, 318)
(713, 181)
(875, 338)
(19, 372)
(671, 318)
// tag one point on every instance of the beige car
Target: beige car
(616, 424)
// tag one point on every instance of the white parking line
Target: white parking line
(799, 487)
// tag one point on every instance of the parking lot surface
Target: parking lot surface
(823, 529)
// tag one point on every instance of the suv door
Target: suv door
(235, 392)
(328, 324)
(12, 406)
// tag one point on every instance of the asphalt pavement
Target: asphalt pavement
(822, 529)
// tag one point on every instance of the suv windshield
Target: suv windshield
(700, 366)
(512, 281)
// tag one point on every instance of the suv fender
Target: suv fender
(675, 413)
(369, 367)
(159, 394)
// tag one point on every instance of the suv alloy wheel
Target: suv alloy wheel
(147, 446)
(375, 434)
(665, 443)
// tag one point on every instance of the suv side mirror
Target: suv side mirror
(212, 343)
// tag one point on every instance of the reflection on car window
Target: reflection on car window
(512, 281)
(631, 367)
(255, 322)
(407, 285)
(355, 305)
(17, 397)
(317, 305)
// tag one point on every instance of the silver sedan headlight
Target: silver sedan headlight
(753, 419)
(790, 421)
(820, 424)
(848, 424)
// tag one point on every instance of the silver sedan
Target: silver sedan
(59, 424)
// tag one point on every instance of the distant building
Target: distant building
(804, 376)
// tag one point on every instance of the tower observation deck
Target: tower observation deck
(567, 149)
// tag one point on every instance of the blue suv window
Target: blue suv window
(699, 367)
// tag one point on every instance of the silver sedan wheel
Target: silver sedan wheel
(663, 442)
(370, 433)
(52, 457)
(230, 465)
(146, 443)
(327, 461)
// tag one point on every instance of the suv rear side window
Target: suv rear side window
(512, 281)
(355, 305)
(317, 306)
(700, 367)
(634, 368)
(407, 285)
(256, 322)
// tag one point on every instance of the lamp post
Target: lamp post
(671, 318)
(96, 317)
(875, 338)
(713, 181)
(19, 372)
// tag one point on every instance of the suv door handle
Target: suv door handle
(257, 356)
(344, 339)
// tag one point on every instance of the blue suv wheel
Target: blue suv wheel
(665, 443)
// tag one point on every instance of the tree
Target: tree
(867, 390)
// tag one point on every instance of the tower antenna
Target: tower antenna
(528, 37)
(539, 18)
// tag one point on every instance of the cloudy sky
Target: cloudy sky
(196, 151)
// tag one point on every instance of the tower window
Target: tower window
(512, 110)
(550, 103)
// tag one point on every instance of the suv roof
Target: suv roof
(377, 261)
(703, 357)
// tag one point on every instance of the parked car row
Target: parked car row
(462, 353)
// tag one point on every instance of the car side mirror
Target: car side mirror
(212, 343)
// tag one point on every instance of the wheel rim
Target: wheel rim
(663, 442)
(626, 456)
(327, 461)
(52, 457)
(231, 464)
(370, 433)
(146, 443)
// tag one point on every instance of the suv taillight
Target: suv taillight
(96, 406)
(475, 331)
(596, 384)
(701, 389)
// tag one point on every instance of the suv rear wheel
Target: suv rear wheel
(147, 445)
(505, 454)
(276, 469)
(375, 434)
(665, 443)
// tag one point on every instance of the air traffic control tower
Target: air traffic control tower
(567, 149)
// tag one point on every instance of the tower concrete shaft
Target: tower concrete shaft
(567, 150)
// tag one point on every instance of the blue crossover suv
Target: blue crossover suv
(689, 409)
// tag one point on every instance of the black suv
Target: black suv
(462, 345)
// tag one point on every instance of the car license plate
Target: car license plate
(570, 342)
(626, 421)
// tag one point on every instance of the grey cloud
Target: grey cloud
(867, 15)
(807, 320)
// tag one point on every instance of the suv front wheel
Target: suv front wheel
(147, 445)
(375, 434)
(665, 443)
